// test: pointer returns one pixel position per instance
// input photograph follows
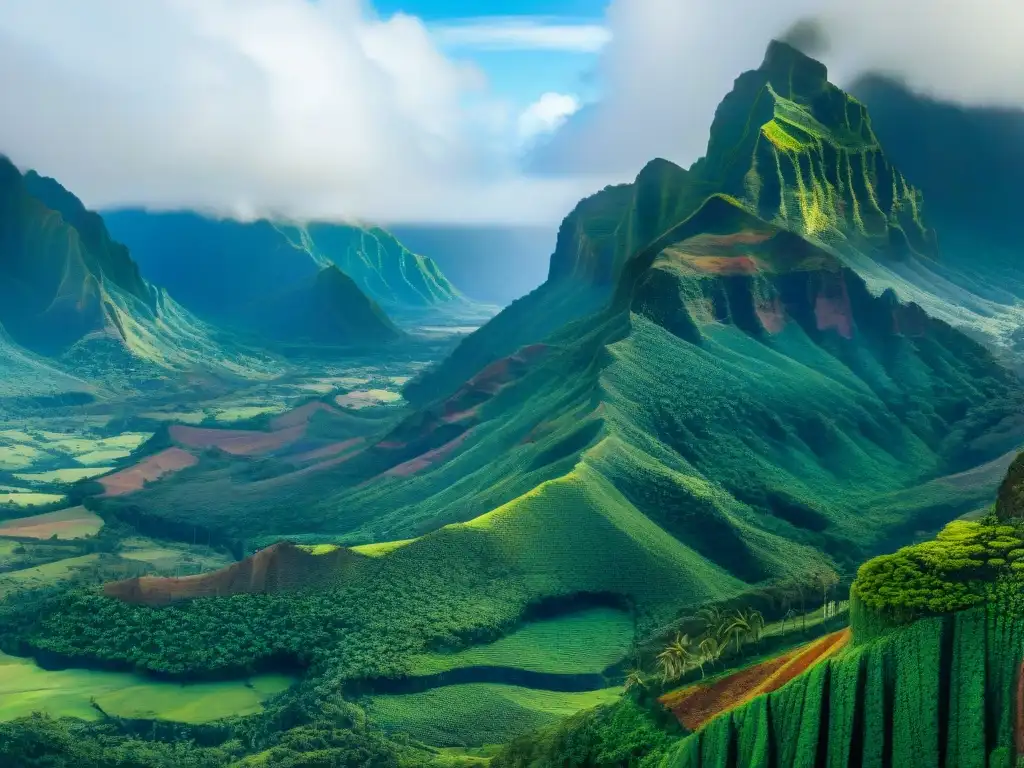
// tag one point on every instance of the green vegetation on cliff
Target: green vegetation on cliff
(930, 680)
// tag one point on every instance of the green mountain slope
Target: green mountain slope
(742, 410)
(706, 398)
(383, 267)
(26, 375)
(71, 293)
(327, 309)
(245, 261)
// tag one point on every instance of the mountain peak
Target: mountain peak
(801, 153)
(793, 73)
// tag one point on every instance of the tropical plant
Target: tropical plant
(635, 678)
(710, 650)
(677, 656)
(736, 628)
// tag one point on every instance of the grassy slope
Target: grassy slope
(25, 688)
(586, 642)
(478, 713)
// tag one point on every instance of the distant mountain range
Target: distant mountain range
(76, 301)
(220, 268)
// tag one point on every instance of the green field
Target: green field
(45, 575)
(26, 498)
(478, 713)
(70, 475)
(47, 456)
(25, 688)
(581, 643)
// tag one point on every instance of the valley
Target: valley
(737, 485)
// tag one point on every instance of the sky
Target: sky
(440, 112)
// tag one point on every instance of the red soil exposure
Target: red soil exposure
(279, 568)
(725, 265)
(463, 407)
(327, 451)
(452, 418)
(496, 375)
(832, 309)
(706, 242)
(697, 704)
(428, 459)
(301, 416)
(146, 471)
(238, 442)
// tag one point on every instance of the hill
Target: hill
(72, 294)
(328, 308)
(241, 262)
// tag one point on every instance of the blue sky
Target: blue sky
(519, 73)
(432, 10)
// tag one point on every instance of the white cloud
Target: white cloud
(523, 33)
(670, 62)
(546, 115)
(287, 106)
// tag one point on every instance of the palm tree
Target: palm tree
(755, 620)
(710, 649)
(677, 655)
(736, 628)
(635, 679)
(713, 619)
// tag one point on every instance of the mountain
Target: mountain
(55, 274)
(328, 308)
(217, 267)
(70, 292)
(709, 387)
(796, 151)
(720, 390)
